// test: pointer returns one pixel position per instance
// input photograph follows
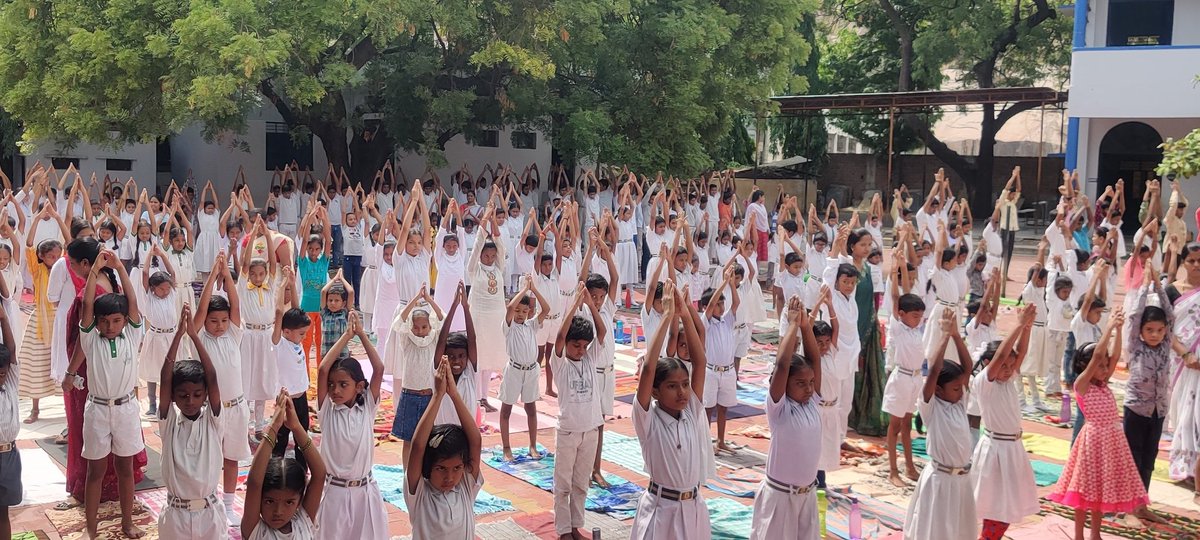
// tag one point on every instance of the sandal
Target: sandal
(67, 505)
(61, 438)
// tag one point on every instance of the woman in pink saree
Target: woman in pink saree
(1185, 407)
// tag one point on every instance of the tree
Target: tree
(1001, 43)
(804, 135)
(1181, 157)
(136, 70)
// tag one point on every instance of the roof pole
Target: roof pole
(891, 143)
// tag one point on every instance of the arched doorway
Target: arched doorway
(1130, 151)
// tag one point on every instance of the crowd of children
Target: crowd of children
(228, 316)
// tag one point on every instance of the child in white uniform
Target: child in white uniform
(221, 322)
(943, 505)
(720, 392)
(270, 473)
(162, 321)
(837, 377)
(191, 443)
(1001, 477)
(786, 503)
(460, 348)
(1059, 311)
(258, 292)
(353, 506)
(672, 427)
(521, 373)
(579, 416)
(603, 292)
(906, 355)
(409, 359)
(11, 489)
(1037, 358)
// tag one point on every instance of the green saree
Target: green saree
(866, 414)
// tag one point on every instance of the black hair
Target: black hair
(658, 290)
(1038, 272)
(855, 236)
(847, 270)
(701, 236)
(790, 226)
(580, 329)
(527, 300)
(1083, 357)
(531, 240)
(218, 304)
(339, 290)
(84, 249)
(175, 232)
(822, 329)
(985, 356)
(1062, 282)
(187, 371)
(160, 277)
(596, 281)
(658, 220)
(1191, 247)
(973, 307)
(948, 255)
(314, 239)
(295, 319)
(546, 257)
(819, 237)
(46, 246)
(445, 441)
(909, 303)
(5, 357)
(352, 368)
(981, 259)
(949, 373)
(271, 211)
(1152, 314)
(112, 304)
(457, 340)
(791, 258)
(665, 366)
(284, 473)
(962, 248)
(738, 270)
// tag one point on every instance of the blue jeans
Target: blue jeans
(352, 271)
(1068, 361)
(336, 232)
(412, 407)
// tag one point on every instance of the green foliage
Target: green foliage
(804, 135)
(1181, 157)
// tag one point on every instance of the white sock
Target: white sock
(260, 408)
(228, 499)
(485, 380)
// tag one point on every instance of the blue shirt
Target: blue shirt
(313, 276)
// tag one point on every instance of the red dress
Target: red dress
(1100, 474)
(75, 399)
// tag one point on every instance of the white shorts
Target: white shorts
(741, 340)
(720, 388)
(606, 379)
(207, 523)
(519, 384)
(548, 332)
(784, 515)
(112, 429)
(901, 392)
(235, 443)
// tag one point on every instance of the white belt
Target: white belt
(158, 330)
(956, 471)
(252, 326)
(114, 401)
(948, 304)
(192, 505)
(342, 482)
(604, 369)
(907, 372)
(720, 369)
(233, 402)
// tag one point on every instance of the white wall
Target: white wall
(1135, 83)
(459, 152)
(1185, 29)
(1092, 131)
(219, 160)
(92, 160)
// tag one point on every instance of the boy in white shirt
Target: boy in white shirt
(1036, 357)
(905, 354)
(521, 373)
(579, 416)
(291, 323)
(843, 307)
(110, 333)
(1059, 312)
(604, 295)
(720, 389)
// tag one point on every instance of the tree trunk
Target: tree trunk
(333, 140)
(369, 150)
(980, 185)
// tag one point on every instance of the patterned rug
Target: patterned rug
(392, 483)
(619, 500)
(156, 500)
(30, 535)
(1180, 527)
(72, 525)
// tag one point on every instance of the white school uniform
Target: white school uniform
(1084, 331)
(411, 272)
(162, 320)
(387, 299)
(978, 336)
(906, 353)
(348, 450)
(520, 381)
(1001, 476)
(191, 468)
(603, 354)
(627, 253)
(111, 374)
(942, 506)
(579, 416)
(60, 289)
(548, 286)
(846, 351)
(370, 281)
(792, 285)
(791, 461)
(293, 374)
(443, 516)
(468, 389)
(651, 320)
(303, 528)
(676, 452)
(1058, 327)
(225, 353)
(1037, 359)
(720, 384)
(947, 294)
(409, 357)
(832, 417)
(260, 374)
(451, 269)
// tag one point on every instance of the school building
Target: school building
(1133, 84)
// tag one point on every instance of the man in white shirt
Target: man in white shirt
(385, 198)
(288, 207)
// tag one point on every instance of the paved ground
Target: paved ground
(531, 516)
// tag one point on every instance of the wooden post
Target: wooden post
(891, 144)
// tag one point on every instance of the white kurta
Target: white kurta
(451, 269)
(947, 294)
(1001, 476)
(627, 253)
(191, 467)
(488, 307)
(678, 456)
(60, 290)
(943, 506)
(370, 279)
(348, 450)
(387, 299)
(208, 240)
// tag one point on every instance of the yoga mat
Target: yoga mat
(72, 525)
(745, 457)
(619, 500)
(501, 529)
(1045, 473)
(751, 394)
(730, 519)
(624, 451)
(727, 487)
(889, 516)
(1180, 527)
(1050, 527)
(30, 535)
(43, 481)
(152, 480)
(392, 484)
(155, 501)
(1060, 449)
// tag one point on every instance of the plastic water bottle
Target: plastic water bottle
(855, 520)
(822, 507)
(1064, 414)
(596, 533)
(620, 330)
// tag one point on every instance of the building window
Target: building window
(282, 148)
(1133, 23)
(489, 138)
(118, 164)
(62, 163)
(524, 140)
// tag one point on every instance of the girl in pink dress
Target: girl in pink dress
(1100, 474)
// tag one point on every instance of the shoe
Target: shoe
(152, 413)
(1043, 408)
(1029, 410)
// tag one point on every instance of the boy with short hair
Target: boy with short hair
(579, 416)
(720, 390)
(336, 297)
(291, 324)
(110, 333)
(521, 373)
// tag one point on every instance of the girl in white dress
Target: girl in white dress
(353, 506)
(672, 429)
(627, 252)
(943, 505)
(486, 274)
(411, 264)
(284, 477)
(208, 241)
(1001, 477)
(256, 290)
(370, 278)
(183, 259)
(944, 289)
(387, 293)
(451, 266)
(786, 503)
(10, 270)
(162, 323)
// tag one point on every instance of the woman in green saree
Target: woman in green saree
(866, 413)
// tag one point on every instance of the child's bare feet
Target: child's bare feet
(508, 454)
(550, 392)
(1145, 513)
(895, 479)
(598, 479)
(911, 473)
(534, 454)
(723, 447)
(486, 406)
(132, 531)
(576, 535)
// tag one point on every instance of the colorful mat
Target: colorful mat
(31, 535)
(888, 516)
(72, 525)
(1179, 528)
(730, 519)
(625, 451)
(752, 394)
(1045, 473)
(155, 502)
(392, 483)
(619, 500)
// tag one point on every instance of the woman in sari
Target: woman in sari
(1184, 293)
(81, 253)
(866, 413)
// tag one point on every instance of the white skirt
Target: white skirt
(942, 507)
(785, 515)
(489, 330)
(153, 353)
(933, 333)
(831, 437)
(627, 262)
(356, 512)
(1035, 358)
(208, 244)
(659, 519)
(260, 377)
(366, 294)
(1003, 481)
(901, 392)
